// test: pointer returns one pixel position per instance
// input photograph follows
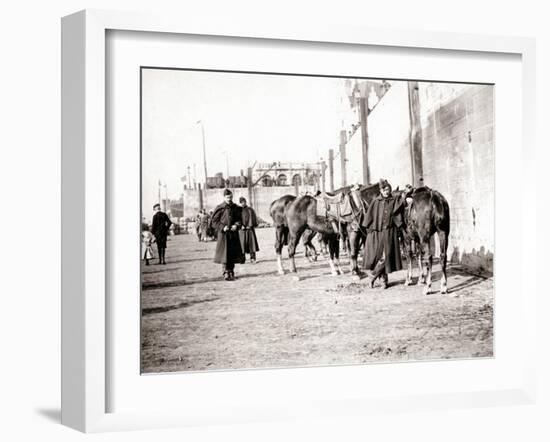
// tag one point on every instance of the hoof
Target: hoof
(356, 277)
(426, 290)
(296, 278)
(334, 273)
(408, 282)
(280, 272)
(444, 291)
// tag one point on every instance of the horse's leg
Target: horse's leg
(419, 256)
(347, 242)
(344, 234)
(409, 254)
(428, 250)
(279, 242)
(443, 243)
(323, 246)
(355, 244)
(352, 254)
(334, 244)
(332, 254)
(293, 240)
(310, 251)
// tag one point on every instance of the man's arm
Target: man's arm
(168, 221)
(369, 217)
(399, 212)
(154, 224)
(216, 219)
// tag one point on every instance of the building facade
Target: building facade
(288, 174)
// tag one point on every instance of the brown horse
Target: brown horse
(426, 214)
(296, 216)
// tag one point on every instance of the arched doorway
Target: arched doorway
(282, 180)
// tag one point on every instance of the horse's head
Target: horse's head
(405, 195)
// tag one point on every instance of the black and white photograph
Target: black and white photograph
(303, 220)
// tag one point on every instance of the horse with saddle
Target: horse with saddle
(425, 213)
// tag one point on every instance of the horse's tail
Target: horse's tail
(442, 216)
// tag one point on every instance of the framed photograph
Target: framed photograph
(267, 222)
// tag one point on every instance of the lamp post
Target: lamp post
(203, 149)
(165, 197)
(204, 158)
(224, 152)
(159, 196)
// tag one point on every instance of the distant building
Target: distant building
(287, 174)
(219, 182)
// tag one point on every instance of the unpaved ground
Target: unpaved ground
(193, 320)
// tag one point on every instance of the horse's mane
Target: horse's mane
(347, 189)
(369, 187)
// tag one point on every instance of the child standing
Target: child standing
(147, 239)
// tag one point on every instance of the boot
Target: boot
(385, 281)
(372, 281)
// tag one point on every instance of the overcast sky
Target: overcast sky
(252, 117)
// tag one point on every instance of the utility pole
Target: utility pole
(249, 185)
(343, 142)
(203, 150)
(415, 134)
(226, 163)
(159, 197)
(323, 175)
(204, 158)
(201, 201)
(331, 169)
(364, 112)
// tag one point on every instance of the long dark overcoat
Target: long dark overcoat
(382, 221)
(228, 247)
(249, 242)
(160, 227)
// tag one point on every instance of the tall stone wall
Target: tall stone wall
(458, 160)
(457, 156)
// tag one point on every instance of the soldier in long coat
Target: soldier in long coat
(227, 221)
(247, 234)
(382, 221)
(160, 228)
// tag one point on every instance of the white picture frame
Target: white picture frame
(84, 200)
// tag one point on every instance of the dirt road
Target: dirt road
(193, 320)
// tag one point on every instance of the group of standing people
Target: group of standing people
(203, 225)
(233, 226)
